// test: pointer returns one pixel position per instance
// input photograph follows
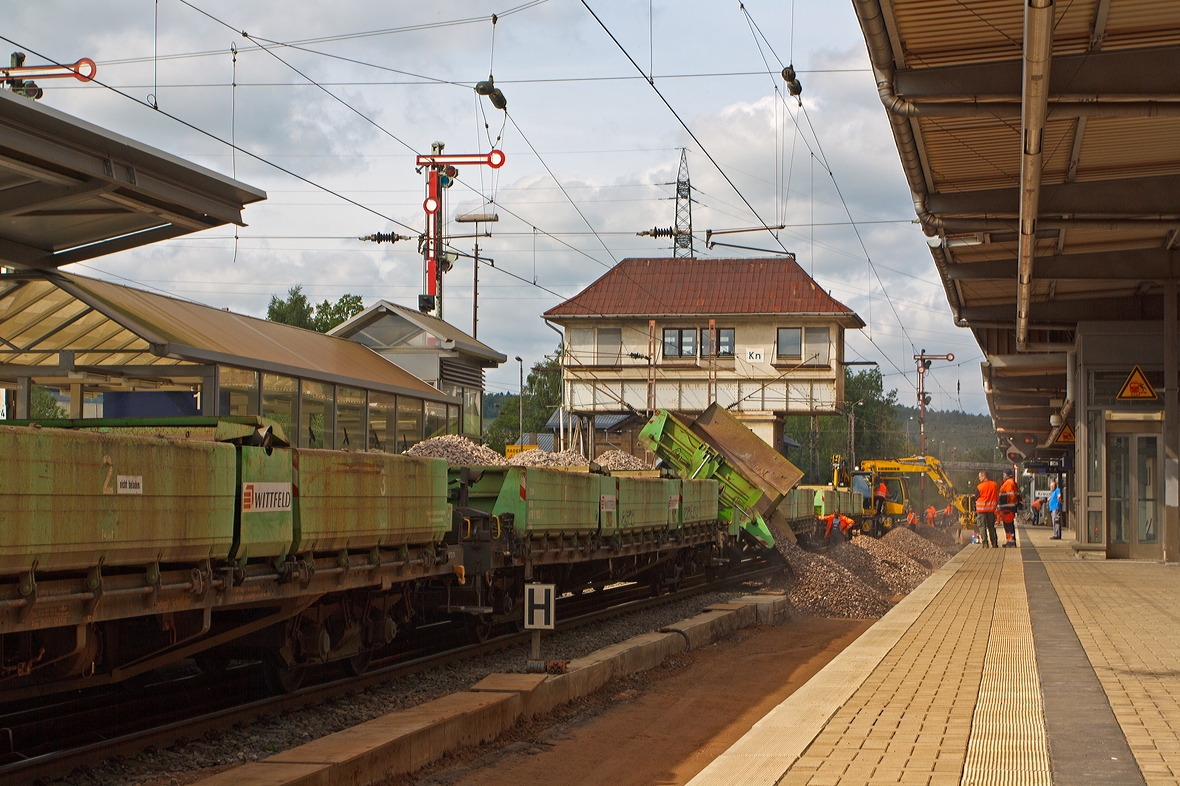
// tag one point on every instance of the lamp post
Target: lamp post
(852, 434)
(520, 399)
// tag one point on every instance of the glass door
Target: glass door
(1118, 495)
(1145, 543)
(1133, 496)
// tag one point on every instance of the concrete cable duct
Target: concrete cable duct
(1038, 52)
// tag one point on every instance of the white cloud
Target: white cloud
(610, 143)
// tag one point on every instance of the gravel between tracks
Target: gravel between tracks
(898, 572)
(939, 537)
(823, 588)
(916, 547)
(189, 762)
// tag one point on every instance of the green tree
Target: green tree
(328, 315)
(542, 396)
(43, 406)
(878, 432)
(297, 310)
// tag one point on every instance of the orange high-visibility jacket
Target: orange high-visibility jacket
(989, 494)
(931, 513)
(845, 523)
(1007, 501)
(881, 490)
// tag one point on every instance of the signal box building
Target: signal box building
(758, 336)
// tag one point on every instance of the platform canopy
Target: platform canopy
(71, 191)
(1041, 143)
(60, 329)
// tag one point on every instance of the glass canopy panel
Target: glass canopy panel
(386, 333)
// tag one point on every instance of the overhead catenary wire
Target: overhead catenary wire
(685, 126)
(824, 160)
(193, 127)
(394, 137)
(234, 150)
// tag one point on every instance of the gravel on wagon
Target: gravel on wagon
(916, 547)
(618, 461)
(458, 451)
(184, 763)
(543, 458)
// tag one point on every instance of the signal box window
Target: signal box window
(725, 343)
(680, 342)
(817, 340)
(790, 343)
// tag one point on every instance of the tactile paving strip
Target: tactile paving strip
(1008, 746)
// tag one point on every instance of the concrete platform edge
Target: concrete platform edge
(768, 750)
(407, 740)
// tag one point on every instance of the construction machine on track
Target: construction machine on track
(895, 473)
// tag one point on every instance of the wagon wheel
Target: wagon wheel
(479, 628)
(281, 677)
(358, 664)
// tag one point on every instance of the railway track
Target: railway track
(56, 738)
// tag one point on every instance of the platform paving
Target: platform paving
(1007, 666)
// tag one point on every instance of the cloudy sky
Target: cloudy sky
(396, 76)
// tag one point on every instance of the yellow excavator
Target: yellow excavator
(894, 473)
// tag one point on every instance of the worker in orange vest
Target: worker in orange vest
(912, 519)
(1009, 497)
(836, 534)
(988, 494)
(879, 498)
(931, 514)
(948, 515)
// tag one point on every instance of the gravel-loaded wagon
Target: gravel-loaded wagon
(126, 545)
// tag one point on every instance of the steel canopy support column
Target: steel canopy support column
(1170, 540)
(1038, 52)
(24, 398)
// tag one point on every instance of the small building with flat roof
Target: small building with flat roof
(432, 350)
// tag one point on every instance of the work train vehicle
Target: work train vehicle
(128, 545)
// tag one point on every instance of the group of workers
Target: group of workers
(1003, 502)
(997, 502)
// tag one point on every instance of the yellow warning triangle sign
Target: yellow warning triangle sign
(1136, 388)
(1066, 436)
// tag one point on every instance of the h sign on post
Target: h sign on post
(539, 602)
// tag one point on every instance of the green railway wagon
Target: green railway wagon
(72, 500)
(542, 501)
(698, 502)
(675, 514)
(259, 517)
(795, 505)
(264, 520)
(643, 503)
(361, 501)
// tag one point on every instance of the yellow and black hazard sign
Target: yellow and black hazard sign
(1066, 436)
(1136, 388)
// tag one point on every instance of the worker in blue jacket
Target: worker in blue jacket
(1055, 510)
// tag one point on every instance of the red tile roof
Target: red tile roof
(703, 287)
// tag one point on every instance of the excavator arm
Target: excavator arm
(931, 468)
